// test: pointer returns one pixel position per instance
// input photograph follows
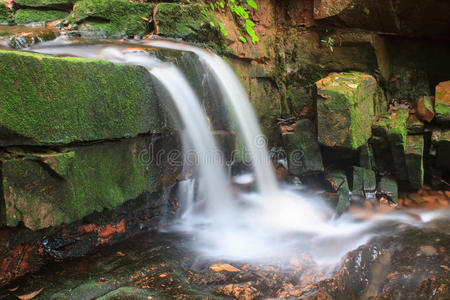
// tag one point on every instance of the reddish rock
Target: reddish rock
(425, 108)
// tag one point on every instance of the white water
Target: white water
(274, 223)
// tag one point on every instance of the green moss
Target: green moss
(345, 109)
(111, 18)
(92, 178)
(5, 13)
(190, 22)
(50, 100)
(45, 3)
(25, 16)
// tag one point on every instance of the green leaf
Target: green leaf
(212, 24)
(212, 6)
(252, 4)
(243, 39)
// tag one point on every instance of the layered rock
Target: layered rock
(442, 104)
(48, 100)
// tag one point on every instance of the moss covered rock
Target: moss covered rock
(345, 109)
(48, 189)
(414, 160)
(50, 100)
(46, 3)
(442, 105)
(5, 13)
(303, 151)
(388, 188)
(364, 183)
(26, 16)
(189, 22)
(111, 18)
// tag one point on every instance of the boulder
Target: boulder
(414, 160)
(388, 188)
(50, 100)
(427, 18)
(303, 151)
(442, 104)
(425, 108)
(345, 109)
(364, 183)
(27, 16)
(339, 184)
(111, 18)
(188, 22)
(391, 128)
(5, 14)
(48, 189)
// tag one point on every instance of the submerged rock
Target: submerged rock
(30, 37)
(303, 151)
(345, 109)
(442, 105)
(52, 100)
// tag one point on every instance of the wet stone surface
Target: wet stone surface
(404, 263)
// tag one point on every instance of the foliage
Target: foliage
(239, 8)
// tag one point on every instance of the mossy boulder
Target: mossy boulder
(45, 3)
(49, 100)
(442, 105)
(5, 14)
(48, 189)
(111, 18)
(303, 151)
(388, 188)
(26, 16)
(345, 109)
(364, 183)
(414, 160)
(188, 22)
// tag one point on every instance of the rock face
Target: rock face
(345, 109)
(42, 103)
(414, 160)
(303, 151)
(426, 18)
(442, 104)
(364, 183)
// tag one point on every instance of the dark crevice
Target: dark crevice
(62, 7)
(96, 20)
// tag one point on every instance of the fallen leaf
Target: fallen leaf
(31, 295)
(163, 275)
(120, 253)
(352, 85)
(225, 267)
(13, 289)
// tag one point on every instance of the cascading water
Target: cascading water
(272, 224)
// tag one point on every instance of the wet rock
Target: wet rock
(414, 160)
(427, 18)
(44, 190)
(441, 140)
(364, 183)
(425, 108)
(61, 100)
(111, 19)
(345, 109)
(5, 14)
(88, 290)
(391, 129)
(339, 183)
(303, 151)
(33, 16)
(33, 37)
(414, 125)
(387, 188)
(442, 104)
(129, 292)
(190, 22)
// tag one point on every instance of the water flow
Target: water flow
(241, 107)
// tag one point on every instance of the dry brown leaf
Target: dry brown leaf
(13, 289)
(31, 295)
(224, 267)
(120, 254)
